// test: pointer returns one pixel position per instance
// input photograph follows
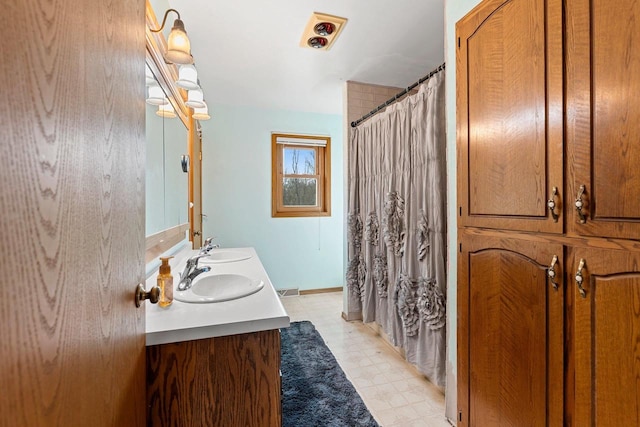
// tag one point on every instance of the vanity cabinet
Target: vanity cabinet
(548, 148)
(231, 381)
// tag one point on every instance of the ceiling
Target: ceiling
(247, 52)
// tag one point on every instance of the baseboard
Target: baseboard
(320, 291)
(352, 316)
(288, 292)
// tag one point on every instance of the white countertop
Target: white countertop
(186, 321)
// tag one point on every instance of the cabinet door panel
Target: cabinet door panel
(222, 381)
(508, 319)
(603, 116)
(509, 66)
(607, 339)
(510, 334)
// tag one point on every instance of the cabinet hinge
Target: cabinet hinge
(458, 42)
(460, 247)
(460, 416)
(460, 210)
(201, 155)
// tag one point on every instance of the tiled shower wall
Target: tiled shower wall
(362, 98)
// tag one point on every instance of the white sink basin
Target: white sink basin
(220, 256)
(219, 288)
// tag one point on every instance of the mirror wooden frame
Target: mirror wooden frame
(166, 75)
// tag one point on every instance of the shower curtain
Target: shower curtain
(397, 225)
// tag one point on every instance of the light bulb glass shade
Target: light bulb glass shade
(178, 45)
(201, 113)
(195, 99)
(166, 111)
(156, 96)
(188, 77)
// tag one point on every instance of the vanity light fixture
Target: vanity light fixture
(188, 77)
(201, 113)
(195, 99)
(167, 111)
(156, 95)
(178, 44)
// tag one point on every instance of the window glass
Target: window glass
(300, 191)
(299, 161)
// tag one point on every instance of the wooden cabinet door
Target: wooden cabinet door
(510, 333)
(509, 115)
(603, 117)
(607, 334)
(230, 381)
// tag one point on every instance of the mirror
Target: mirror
(173, 197)
(167, 185)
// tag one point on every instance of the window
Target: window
(301, 175)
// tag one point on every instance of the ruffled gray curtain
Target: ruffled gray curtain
(397, 225)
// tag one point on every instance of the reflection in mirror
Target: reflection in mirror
(166, 184)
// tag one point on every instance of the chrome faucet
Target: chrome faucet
(208, 245)
(191, 271)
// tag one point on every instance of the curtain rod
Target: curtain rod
(397, 96)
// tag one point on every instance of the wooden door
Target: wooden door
(603, 117)
(72, 209)
(510, 333)
(509, 115)
(607, 333)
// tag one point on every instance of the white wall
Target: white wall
(303, 253)
(453, 11)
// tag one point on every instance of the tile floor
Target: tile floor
(395, 393)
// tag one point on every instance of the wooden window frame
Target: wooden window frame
(323, 175)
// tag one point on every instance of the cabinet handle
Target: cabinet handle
(551, 204)
(580, 279)
(551, 272)
(580, 204)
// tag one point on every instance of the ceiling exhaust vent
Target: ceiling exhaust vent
(322, 30)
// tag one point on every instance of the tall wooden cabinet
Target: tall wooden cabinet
(548, 145)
